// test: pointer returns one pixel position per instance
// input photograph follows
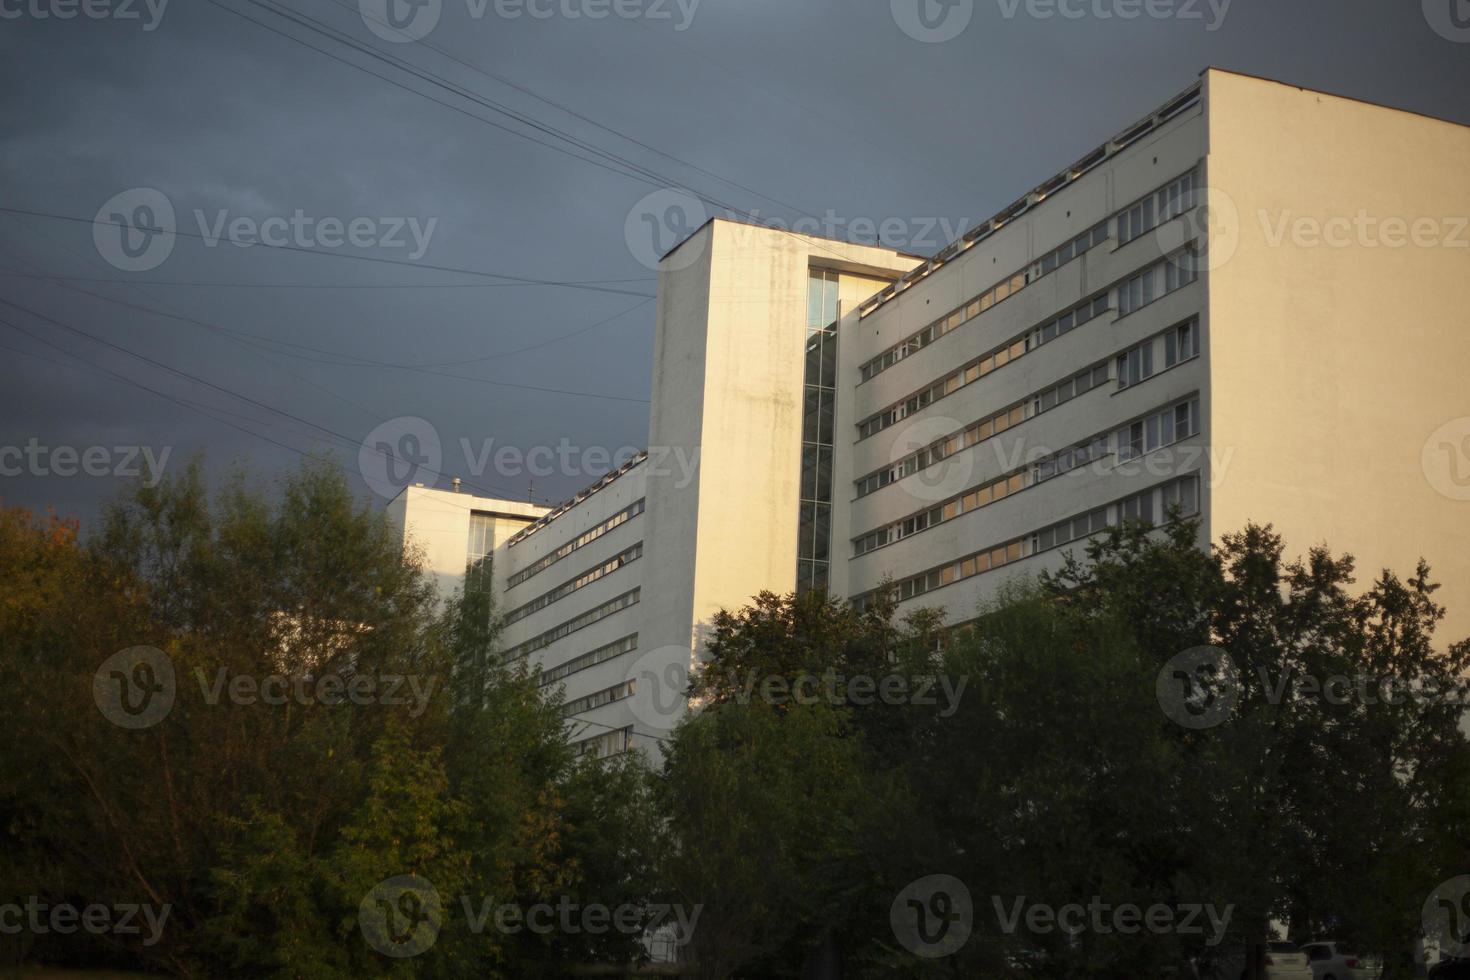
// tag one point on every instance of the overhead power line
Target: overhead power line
(196, 379)
(351, 255)
(370, 362)
(614, 162)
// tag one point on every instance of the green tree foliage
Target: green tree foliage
(1058, 776)
(267, 805)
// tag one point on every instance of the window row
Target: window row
(1152, 432)
(1170, 201)
(581, 541)
(604, 745)
(1156, 281)
(1069, 459)
(572, 585)
(572, 625)
(1182, 493)
(599, 656)
(981, 366)
(1028, 407)
(964, 503)
(1137, 363)
(979, 304)
(1160, 429)
(617, 692)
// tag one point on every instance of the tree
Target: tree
(327, 735)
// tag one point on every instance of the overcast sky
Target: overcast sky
(864, 111)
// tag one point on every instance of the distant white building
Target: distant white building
(1250, 305)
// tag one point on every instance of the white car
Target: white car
(1284, 961)
(1335, 961)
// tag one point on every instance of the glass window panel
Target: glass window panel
(809, 472)
(811, 405)
(823, 530)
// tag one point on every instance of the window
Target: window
(617, 692)
(604, 745)
(601, 655)
(1176, 198)
(581, 541)
(482, 543)
(572, 625)
(1159, 429)
(997, 293)
(1139, 507)
(1179, 271)
(1181, 343)
(581, 581)
(1135, 221)
(1136, 365)
(1170, 201)
(1183, 494)
(1136, 293)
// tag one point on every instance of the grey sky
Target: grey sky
(821, 106)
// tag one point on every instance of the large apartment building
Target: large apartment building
(1250, 305)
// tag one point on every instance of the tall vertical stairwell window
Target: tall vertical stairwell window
(819, 390)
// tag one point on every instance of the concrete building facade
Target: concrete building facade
(1247, 306)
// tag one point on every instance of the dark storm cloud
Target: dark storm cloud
(812, 107)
